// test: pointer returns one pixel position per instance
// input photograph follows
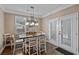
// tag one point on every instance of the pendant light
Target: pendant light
(31, 21)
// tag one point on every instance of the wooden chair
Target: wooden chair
(7, 40)
(42, 43)
(18, 43)
(31, 46)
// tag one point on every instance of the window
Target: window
(20, 24)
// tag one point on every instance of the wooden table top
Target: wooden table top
(30, 36)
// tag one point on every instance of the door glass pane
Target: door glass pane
(53, 30)
(66, 32)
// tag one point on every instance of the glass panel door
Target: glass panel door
(66, 25)
(53, 31)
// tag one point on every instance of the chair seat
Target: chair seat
(18, 45)
(19, 40)
(27, 45)
(9, 39)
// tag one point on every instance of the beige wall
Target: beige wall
(10, 23)
(72, 9)
(1, 29)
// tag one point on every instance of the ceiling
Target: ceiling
(40, 9)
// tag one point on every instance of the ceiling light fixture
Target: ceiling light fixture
(32, 21)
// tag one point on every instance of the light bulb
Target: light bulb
(27, 23)
(32, 23)
(36, 24)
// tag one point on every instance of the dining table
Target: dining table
(24, 36)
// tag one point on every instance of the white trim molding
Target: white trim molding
(23, 13)
(56, 10)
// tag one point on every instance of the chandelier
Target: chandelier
(31, 21)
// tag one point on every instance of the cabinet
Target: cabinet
(66, 32)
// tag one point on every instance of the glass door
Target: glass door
(63, 32)
(66, 32)
(75, 33)
(53, 31)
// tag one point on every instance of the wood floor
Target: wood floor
(50, 51)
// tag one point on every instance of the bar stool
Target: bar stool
(18, 43)
(7, 40)
(42, 43)
(31, 46)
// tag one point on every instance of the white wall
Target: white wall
(1, 29)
